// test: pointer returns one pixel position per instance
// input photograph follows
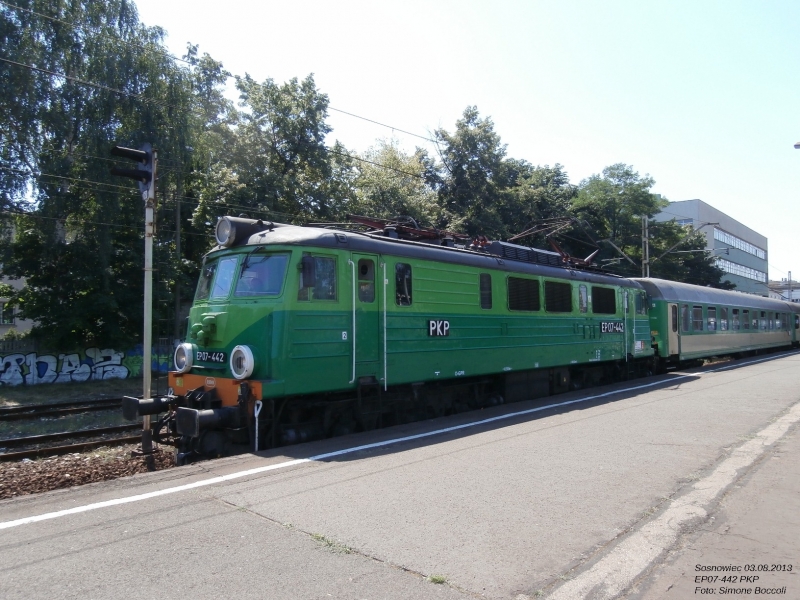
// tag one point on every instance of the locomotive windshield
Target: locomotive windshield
(262, 275)
(216, 279)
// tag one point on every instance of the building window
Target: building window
(6, 314)
(523, 294)
(735, 242)
(740, 270)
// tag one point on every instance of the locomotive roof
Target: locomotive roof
(294, 235)
(674, 291)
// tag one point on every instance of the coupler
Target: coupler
(133, 408)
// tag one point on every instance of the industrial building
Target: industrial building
(739, 251)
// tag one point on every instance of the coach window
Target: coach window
(557, 297)
(403, 288)
(735, 319)
(366, 280)
(523, 294)
(583, 298)
(712, 318)
(685, 320)
(697, 318)
(723, 318)
(779, 321)
(675, 317)
(604, 301)
(797, 321)
(486, 290)
(745, 319)
(318, 278)
(763, 320)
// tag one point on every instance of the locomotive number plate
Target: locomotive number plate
(217, 357)
(612, 327)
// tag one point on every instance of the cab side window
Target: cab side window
(402, 284)
(317, 278)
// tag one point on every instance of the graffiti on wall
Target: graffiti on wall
(90, 364)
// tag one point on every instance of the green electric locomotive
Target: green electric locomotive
(298, 333)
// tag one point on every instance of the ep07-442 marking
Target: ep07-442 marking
(612, 327)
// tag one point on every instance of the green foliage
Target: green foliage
(390, 183)
(687, 262)
(75, 233)
(473, 179)
(79, 242)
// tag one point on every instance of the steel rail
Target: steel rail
(33, 411)
(67, 435)
(80, 447)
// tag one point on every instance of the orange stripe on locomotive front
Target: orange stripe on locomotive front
(227, 388)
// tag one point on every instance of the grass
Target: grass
(439, 579)
(331, 545)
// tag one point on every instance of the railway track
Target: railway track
(37, 446)
(53, 444)
(57, 409)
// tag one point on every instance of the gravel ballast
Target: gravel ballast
(35, 476)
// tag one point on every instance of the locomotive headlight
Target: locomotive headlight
(183, 357)
(225, 232)
(242, 362)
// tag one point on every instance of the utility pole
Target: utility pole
(145, 175)
(790, 286)
(177, 329)
(645, 247)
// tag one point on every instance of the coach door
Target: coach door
(367, 315)
(674, 328)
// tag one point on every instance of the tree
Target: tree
(689, 262)
(391, 183)
(280, 152)
(78, 235)
(540, 193)
(473, 177)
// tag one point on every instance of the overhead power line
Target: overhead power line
(173, 57)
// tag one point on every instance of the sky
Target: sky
(701, 95)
